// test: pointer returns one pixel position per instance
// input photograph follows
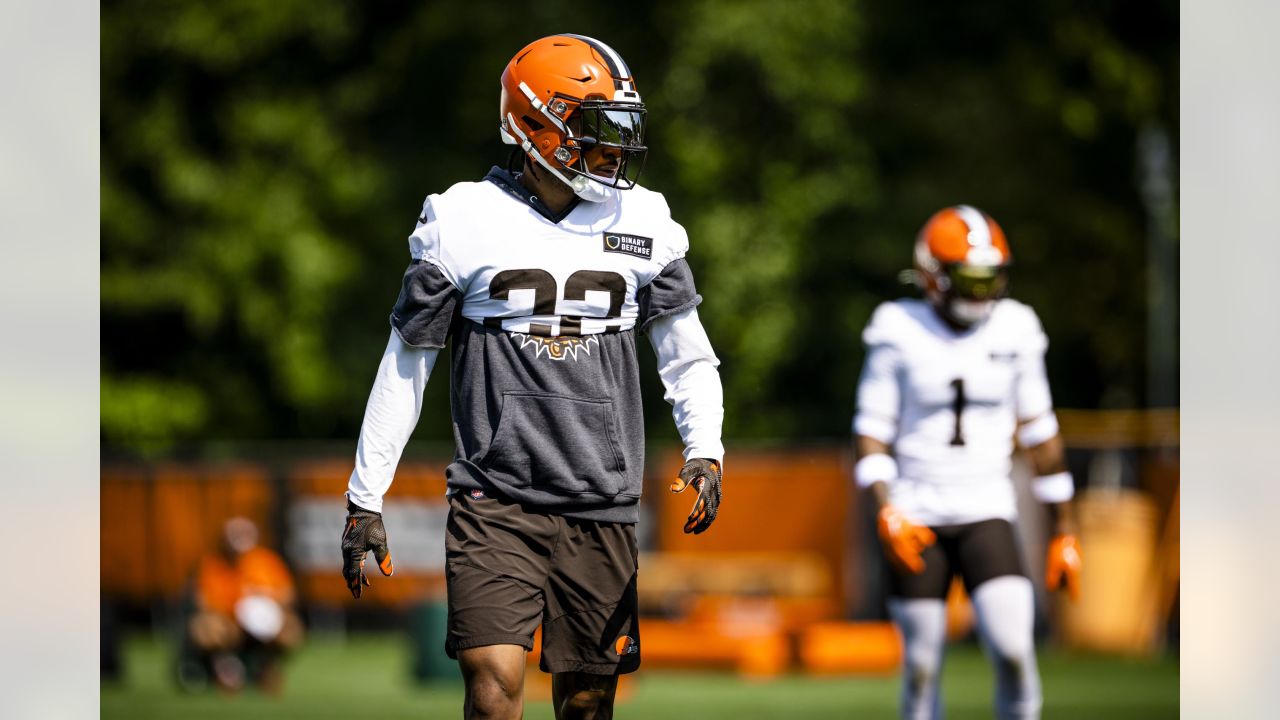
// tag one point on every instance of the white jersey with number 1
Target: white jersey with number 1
(949, 403)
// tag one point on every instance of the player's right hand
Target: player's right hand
(903, 540)
(363, 532)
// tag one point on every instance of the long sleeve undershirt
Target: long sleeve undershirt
(395, 402)
(687, 365)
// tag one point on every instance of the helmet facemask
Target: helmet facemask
(589, 125)
(609, 126)
(967, 293)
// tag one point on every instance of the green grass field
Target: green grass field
(368, 676)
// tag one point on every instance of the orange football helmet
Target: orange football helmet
(564, 95)
(962, 263)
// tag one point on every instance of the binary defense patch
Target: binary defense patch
(637, 245)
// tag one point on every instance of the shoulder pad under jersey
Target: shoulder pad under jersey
(1019, 322)
(893, 321)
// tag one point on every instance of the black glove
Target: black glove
(363, 532)
(704, 476)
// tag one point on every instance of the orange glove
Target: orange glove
(903, 540)
(1063, 565)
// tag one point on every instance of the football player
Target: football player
(542, 276)
(948, 383)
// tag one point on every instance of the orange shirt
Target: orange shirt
(257, 572)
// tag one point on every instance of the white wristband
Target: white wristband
(874, 468)
(1055, 488)
(1039, 430)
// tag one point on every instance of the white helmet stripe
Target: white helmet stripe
(979, 231)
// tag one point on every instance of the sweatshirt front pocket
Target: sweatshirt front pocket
(557, 443)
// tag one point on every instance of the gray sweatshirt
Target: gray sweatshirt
(543, 313)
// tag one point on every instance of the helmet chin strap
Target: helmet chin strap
(590, 190)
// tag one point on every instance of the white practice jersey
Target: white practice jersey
(949, 403)
(520, 273)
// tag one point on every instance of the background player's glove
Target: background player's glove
(363, 532)
(1062, 566)
(903, 540)
(704, 476)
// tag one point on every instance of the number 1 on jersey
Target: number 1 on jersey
(958, 406)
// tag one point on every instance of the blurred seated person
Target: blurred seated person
(244, 617)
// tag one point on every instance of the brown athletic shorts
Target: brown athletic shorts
(509, 570)
(978, 551)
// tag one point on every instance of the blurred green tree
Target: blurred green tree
(262, 164)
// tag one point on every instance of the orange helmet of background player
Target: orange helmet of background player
(961, 262)
(566, 94)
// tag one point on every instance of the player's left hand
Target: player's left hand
(1062, 566)
(364, 532)
(704, 476)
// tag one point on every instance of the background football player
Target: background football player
(244, 614)
(947, 385)
(542, 276)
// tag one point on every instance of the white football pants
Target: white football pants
(1005, 610)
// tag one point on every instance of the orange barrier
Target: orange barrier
(1115, 612)
(782, 558)
(155, 526)
(758, 652)
(788, 502)
(670, 578)
(125, 533)
(831, 648)
(788, 614)
(1152, 428)
(737, 610)
(173, 514)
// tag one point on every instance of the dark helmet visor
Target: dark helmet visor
(609, 123)
(613, 125)
(978, 282)
(621, 128)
